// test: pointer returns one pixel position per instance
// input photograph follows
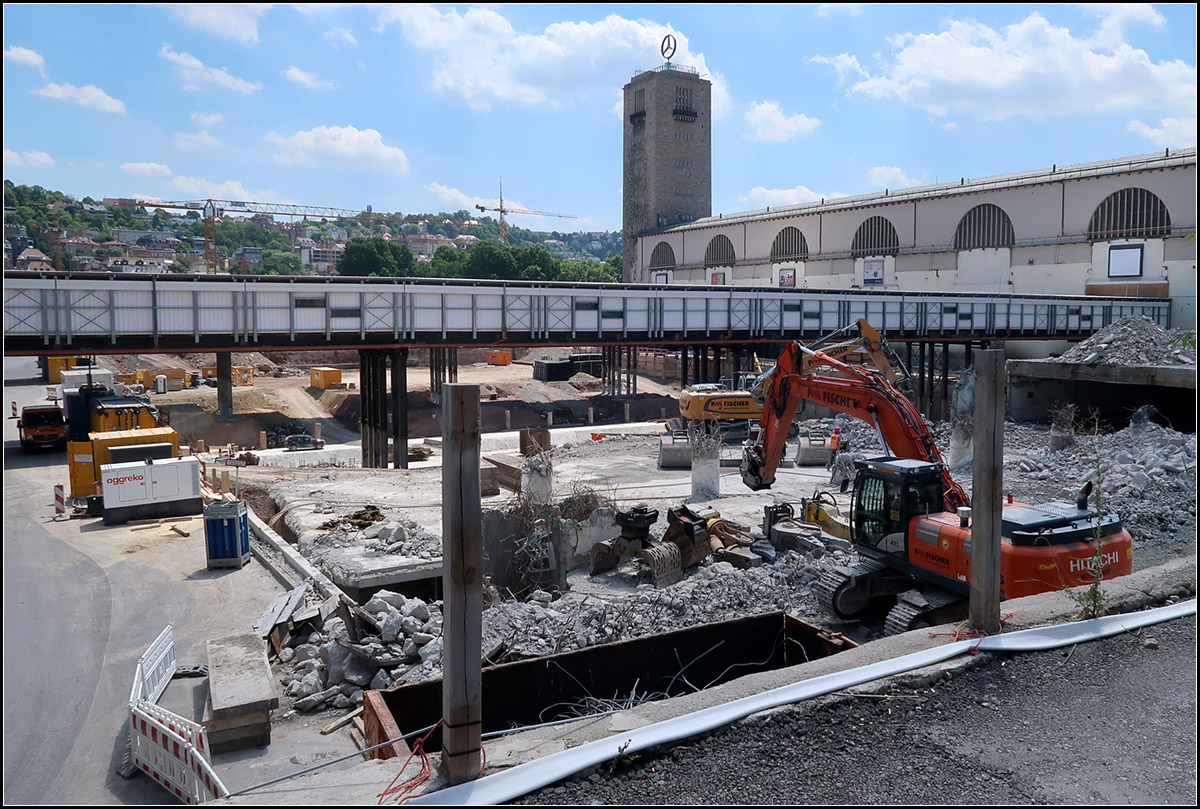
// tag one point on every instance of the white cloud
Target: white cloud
(91, 97)
(1171, 132)
(195, 73)
(1031, 68)
(340, 35)
(483, 59)
(193, 187)
(191, 141)
(146, 169)
(845, 65)
(769, 123)
(201, 119)
(309, 80)
(24, 56)
(950, 126)
(784, 196)
(836, 9)
(339, 145)
(890, 177)
(236, 21)
(32, 158)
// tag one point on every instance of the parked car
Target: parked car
(303, 442)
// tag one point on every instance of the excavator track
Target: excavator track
(919, 609)
(844, 591)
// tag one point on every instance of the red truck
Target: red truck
(42, 426)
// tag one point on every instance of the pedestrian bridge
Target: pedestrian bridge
(63, 313)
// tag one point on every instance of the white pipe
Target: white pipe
(517, 781)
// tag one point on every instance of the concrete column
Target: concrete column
(381, 378)
(224, 384)
(987, 491)
(462, 585)
(945, 410)
(400, 407)
(364, 406)
(683, 366)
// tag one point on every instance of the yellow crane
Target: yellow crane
(502, 211)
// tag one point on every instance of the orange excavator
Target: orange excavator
(909, 519)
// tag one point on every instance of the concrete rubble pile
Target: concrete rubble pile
(1133, 342)
(327, 669)
(1145, 473)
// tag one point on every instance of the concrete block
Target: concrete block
(239, 675)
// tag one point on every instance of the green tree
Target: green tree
(376, 256)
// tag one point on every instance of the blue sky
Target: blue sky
(424, 108)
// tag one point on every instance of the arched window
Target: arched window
(789, 244)
(984, 226)
(1131, 213)
(719, 252)
(663, 257)
(875, 237)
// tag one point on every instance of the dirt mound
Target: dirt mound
(586, 383)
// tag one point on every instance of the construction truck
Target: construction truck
(41, 426)
(737, 401)
(909, 520)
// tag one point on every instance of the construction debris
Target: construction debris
(1134, 342)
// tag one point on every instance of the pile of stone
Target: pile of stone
(329, 669)
(1145, 473)
(586, 383)
(1133, 342)
(404, 538)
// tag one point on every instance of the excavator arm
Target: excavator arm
(856, 392)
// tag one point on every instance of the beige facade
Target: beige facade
(1119, 227)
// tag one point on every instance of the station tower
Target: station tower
(667, 156)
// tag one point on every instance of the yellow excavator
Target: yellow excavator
(743, 400)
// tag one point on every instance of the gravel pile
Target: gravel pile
(1132, 341)
(1145, 473)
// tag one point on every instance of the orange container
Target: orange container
(499, 358)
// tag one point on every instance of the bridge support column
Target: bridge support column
(945, 412)
(373, 419)
(400, 408)
(683, 367)
(922, 375)
(224, 384)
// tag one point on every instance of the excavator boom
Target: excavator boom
(856, 392)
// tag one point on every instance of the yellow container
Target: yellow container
(82, 469)
(208, 372)
(324, 377)
(126, 379)
(56, 365)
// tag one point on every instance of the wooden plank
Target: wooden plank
(987, 491)
(337, 723)
(462, 584)
(270, 617)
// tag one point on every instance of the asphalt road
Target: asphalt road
(1108, 722)
(82, 601)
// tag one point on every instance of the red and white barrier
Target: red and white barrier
(14, 415)
(60, 501)
(174, 752)
(168, 748)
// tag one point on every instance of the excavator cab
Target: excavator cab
(888, 494)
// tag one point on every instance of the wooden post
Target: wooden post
(224, 481)
(987, 486)
(508, 419)
(262, 439)
(317, 431)
(591, 415)
(627, 412)
(462, 584)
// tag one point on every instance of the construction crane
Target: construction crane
(502, 211)
(213, 209)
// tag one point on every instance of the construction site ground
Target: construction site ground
(1149, 476)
